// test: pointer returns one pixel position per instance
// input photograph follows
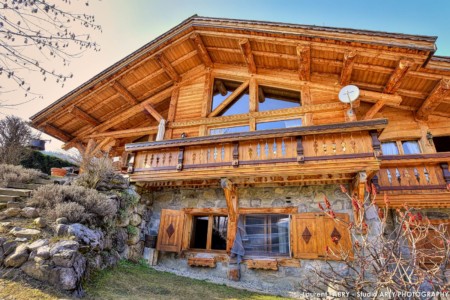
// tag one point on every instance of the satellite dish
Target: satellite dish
(348, 94)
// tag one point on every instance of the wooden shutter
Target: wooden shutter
(313, 232)
(170, 230)
(305, 230)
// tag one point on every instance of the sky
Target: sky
(129, 24)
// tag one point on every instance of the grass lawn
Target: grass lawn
(134, 281)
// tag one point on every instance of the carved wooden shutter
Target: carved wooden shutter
(305, 236)
(170, 230)
(312, 232)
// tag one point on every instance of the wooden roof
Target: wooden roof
(389, 63)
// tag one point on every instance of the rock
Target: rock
(9, 247)
(3, 228)
(2, 256)
(79, 265)
(65, 278)
(37, 270)
(14, 204)
(136, 251)
(61, 229)
(133, 236)
(21, 240)
(43, 252)
(123, 221)
(40, 222)
(29, 212)
(63, 245)
(2, 240)
(65, 258)
(62, 220)
(11, 212)
(37, 244)
(135, 220)
(120, 239)
(18, 257)
(24, 232)
(88, 236)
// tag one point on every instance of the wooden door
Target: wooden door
(170, 230)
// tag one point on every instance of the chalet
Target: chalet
(227, 123)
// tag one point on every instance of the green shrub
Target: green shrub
(11, 173)
(54, 201)
(44, 163)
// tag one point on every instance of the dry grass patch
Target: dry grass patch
(20, 290)
(136, 281)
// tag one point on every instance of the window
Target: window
(400, 147)
(442, 143)
(266, 235)
(279, 124)
(209, 232)
(272, 98)
(222, 90)
(226, 130)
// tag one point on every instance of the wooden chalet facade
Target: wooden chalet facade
(254, 130)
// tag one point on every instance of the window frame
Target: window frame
(399, 144)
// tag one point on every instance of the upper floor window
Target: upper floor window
(410, 147)
(279, 124)
(226, 130)
(270, 98)
(389, 148)
(224, 93)
(400, 147)
(442, 143)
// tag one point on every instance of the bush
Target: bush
(94, 171)
(10, 173)
(76, 203)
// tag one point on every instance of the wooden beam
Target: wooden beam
(440, 91)
(347, 67)
(102, 144)
(126, 133)
(374, 109)
(56, 132)
(253, 91)
(149, 108)
(231, 198)
(230, 98)
(304, 62)
(164, 63)
(201, 50)
(248, 55)
(82, 115)
(172, 111)
(124, 93)
(399, 74)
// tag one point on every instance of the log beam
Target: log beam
(56, 132)
(164, 63)
(124, 93)
(304, 62)
(231, 197)
(125, 133)
(107, 141)
(347, 67)
(230, 99)
(201, 50)
(152, 111)
(82, 115)
(399, 74)
(374, 109)
(440, 91)
(248, 55)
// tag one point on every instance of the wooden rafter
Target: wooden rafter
(152, 111)
(347, 67)
(125, 133)
(82, 115)
(164, 63)
(230, 99)
(248, 55)
(201, 49)
(56, 132)
(107, 141)
(374, 109)
(304, 62)
(124, 93)
(440, 91)
(399, 74)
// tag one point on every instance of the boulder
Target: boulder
(120, 239)
(40, 222)
(18, 257)
(87, 236)
(135, 220)
(64, 278)
(2, 256)
(9, 247)
(37, 244)
(25, 232)
(11, 212)
(123, 221)
(37, 270)
(136, 251)
(14, 204)
(63, 245)
(43, 252)
(29, 212)
(62, 220)
(133, 236)
(65, 258)
(2, 240)
(62, 229)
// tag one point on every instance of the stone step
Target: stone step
(15, 192)
(7, 198)
(27, 186)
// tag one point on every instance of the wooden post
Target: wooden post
(376, 145)
(235, 162)
(304, 62)
(347, 67)
(358, 190)
(180, 159)
(300, 150)
(230, 191)
(445, 172)
(131, 160)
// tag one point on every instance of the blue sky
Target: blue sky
(129, 24)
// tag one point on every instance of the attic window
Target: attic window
(270, 98)
(222, 91)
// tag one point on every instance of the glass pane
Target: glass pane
(266, 235)
(199, 232)
(389, 148)
(279, 124)
(219, 233)
(222, 89)
(229, 130)
(273, 98)
(411, 147)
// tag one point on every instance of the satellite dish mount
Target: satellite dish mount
(349, 94)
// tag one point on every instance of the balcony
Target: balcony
(311, 155)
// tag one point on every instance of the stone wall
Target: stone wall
(285, 280)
